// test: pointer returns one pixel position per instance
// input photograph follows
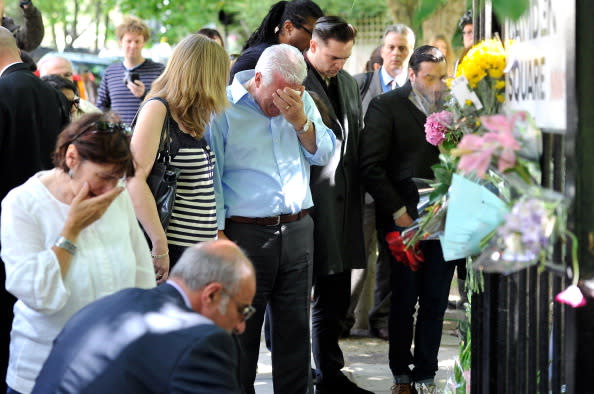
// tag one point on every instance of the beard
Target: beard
(432, 101)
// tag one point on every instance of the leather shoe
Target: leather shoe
(381, 332)
(339, 385)
(403, 388)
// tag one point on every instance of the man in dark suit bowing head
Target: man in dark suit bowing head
(394, 151)
(174, 338)
(337, 196)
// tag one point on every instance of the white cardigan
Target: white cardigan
(112, 254)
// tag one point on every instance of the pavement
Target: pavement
(366, 359)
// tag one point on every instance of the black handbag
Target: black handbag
(162, 180)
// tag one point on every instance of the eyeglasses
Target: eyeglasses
(246, 311)
(104, 127)
(75, 102)
(306, 29)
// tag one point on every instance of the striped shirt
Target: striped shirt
(194, 217)
(114, 94)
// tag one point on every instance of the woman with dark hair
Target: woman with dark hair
(287, 22)
(69, 236)
(68, 90)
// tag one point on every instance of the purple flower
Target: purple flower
(528, 219)
(437, 125)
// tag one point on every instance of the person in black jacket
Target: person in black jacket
(393, 151)
(287, 22)
(30, 120)
(174, 338)
(338, 199)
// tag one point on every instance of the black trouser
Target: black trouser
(430, 287)
(332, 295)
(282, 256)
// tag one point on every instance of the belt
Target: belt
(270, 220)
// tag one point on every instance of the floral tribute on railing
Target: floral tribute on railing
(486, 202)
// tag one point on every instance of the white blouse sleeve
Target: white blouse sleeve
(32, 269)
(145, 272)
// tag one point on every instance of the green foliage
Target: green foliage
(510, 9)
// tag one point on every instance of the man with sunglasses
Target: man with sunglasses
(173, 338)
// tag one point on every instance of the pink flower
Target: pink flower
(571, 296)
(476, 154)
(436, 126)
(498, 143)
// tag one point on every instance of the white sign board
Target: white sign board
(538, 45)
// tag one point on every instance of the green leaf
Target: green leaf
(510, 9)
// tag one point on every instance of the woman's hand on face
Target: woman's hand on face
(85, 210)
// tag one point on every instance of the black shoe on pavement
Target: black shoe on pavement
(340, 385)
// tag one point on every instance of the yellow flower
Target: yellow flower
(468, 102)
(499, 85)
(500, 98)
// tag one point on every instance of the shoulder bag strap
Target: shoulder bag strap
(164, 151)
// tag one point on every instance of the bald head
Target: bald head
(213, 261)
(9, 52)
(55, 65)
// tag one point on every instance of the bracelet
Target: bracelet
(160, 256)
(65, 244)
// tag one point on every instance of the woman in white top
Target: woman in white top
(69, 236)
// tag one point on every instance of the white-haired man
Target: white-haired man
(265, 143)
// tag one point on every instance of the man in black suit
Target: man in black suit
(30, 119)
(337, 196)
(174, 338)
(397, 46)
(393, 151)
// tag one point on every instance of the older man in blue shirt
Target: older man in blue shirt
(264, 144)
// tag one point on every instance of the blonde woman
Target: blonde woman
(443, 44)
(191, 90)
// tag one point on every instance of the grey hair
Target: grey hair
(204, 263)
(285, 60)
(400, 28)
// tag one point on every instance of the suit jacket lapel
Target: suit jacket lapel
(416, 113)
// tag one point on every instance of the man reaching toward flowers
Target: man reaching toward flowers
(394, 150)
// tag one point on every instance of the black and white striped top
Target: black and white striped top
(114, 94)
(194, 217)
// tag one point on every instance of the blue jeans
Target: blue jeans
(11, 391)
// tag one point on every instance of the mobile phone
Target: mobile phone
(131, 77)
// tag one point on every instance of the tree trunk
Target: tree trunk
(444, 20)
(402, 11)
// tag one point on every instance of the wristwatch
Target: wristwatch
(305, 128)
(65, 244)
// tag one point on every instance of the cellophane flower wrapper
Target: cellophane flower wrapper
(528, 234)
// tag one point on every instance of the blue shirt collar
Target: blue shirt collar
(236, 90)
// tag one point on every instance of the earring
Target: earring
(70, 172)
